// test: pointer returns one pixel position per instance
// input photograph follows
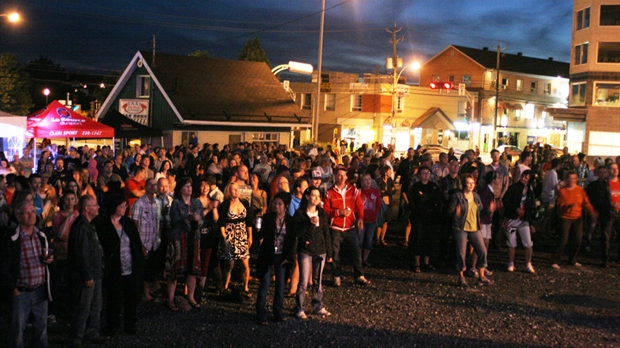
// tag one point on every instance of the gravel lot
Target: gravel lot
(570, 307)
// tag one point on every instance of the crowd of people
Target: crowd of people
(87, 228)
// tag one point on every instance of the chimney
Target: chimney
(551, 59)
(485, 48)
(520, 54)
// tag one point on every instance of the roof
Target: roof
(124, 127)
(516, 62)
(433, 118)
(214, 89)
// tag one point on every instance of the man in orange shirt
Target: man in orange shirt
(134, 187)
(571, 201)
(611, 219)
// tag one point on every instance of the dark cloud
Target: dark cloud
(104, 35)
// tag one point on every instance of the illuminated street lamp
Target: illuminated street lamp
(46, 92)
(388, 122)
(12, 17)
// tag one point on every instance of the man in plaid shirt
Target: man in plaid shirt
(24, 272)
(146, 213)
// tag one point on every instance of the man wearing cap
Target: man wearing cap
(343, 205)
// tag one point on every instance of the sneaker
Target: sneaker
(555, 266)
(361, 280)
(511, 267)
(51, 319)
(337, 282)
(484, 281)
(472, 273)
(301, 315)
(428, 267)
(577, 264)
(463, 282)
(323, 312)
(530, 269)
(487, 272)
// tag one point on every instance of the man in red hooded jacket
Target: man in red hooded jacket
(343, 205)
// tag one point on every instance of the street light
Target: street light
(415, 66)
(12, 17)
(46, 92)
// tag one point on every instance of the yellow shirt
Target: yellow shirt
(471, 221)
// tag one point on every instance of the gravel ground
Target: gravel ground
(570, 307)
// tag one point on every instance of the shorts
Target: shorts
(523, 229)
(485, 230)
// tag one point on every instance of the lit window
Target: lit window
(604, 144)
(547, 88)
(529, 111)
(306, 101)
(143, 86)
(578, 94)
(607, 94)
(520, 85)
(330, 102)
(356, 102)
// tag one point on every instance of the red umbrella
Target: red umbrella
(58, 121)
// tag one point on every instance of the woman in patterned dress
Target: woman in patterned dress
(235, 223)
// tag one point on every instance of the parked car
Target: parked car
(435, 150)
(510, 149)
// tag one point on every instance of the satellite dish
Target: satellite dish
(139, 63)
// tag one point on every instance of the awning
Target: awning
(517, 106)
(567, 114)
(505, 105)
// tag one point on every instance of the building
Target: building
(517, 102)
(222, 101)
(595, 76)
(359, 110)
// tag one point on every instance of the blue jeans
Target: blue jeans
(264, 273)
(367, 235)
(87, 304)
(350, 237)
(317, 264)
(475, 239)
(34, 302)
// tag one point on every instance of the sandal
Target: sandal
(417, 269)
(247, 293)
(173, 307)
(194, 305)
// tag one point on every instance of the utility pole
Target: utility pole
(153, 62)
(497, 64)
(319, 70)
(394, 41)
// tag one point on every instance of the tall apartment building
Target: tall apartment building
(595, 76)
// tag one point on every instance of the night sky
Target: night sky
(102, 36)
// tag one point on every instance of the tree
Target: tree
(14, 86)
(254, 52)
(201, 53)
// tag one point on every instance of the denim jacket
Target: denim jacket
(458, 223)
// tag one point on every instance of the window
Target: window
(324, 78)
(604, 144)
(520, 85)
(356, 102)
(143, 86)
(504, 83)
(528, 112)
(609, 52)
(581, 54)
(306, 101)
(400, 104)
(467, 80)
(578, 94)
(437, 78)
(451, 78)
(265, 137)
(583, 19)
(330, 101)
(610, 15)
(547, 88)
(606, 94)
(534, 87)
